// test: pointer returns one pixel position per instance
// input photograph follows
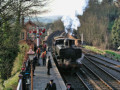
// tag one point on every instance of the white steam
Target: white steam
(71, 21)
(100, 1)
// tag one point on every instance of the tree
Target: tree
(8, 49)
(115, 34)
(97, 21)
(57, 25)
(11, 12)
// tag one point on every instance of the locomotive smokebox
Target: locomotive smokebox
(72, 53)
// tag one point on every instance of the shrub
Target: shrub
(103, 52)
(12, 82)
(19, 59)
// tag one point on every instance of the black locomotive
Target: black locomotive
(68, 55)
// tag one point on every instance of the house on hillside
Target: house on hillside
(28, 32)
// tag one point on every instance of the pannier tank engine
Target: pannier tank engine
(68, 55)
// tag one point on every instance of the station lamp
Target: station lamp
(31, 54)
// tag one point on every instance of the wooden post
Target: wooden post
(31, 76)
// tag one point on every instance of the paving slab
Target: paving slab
(41, 78)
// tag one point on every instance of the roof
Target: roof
(58, 37)
(64, 39)
(31, 23)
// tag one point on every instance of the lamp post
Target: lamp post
(38, 39)
(31, 56)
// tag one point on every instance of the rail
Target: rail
(86, 86)
(19, 87)
(105, 63)
(103, 74)
(96, 77)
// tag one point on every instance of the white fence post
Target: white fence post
(20, 87)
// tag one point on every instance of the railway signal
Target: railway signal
(38, 31)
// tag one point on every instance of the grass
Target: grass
(12, 82)
(1, 86)
(17, 64)
(113, 54)
(104, 52)
(94, 49)
(19, 59)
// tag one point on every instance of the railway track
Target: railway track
(106, 62)
(114, 73)
(100, 79)
(98, 83)
(85, 80)
(75, 81)
(106, 65)
(106, 77)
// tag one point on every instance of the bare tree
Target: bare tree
(19, 8)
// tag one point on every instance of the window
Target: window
(22, 35)
(59, 42)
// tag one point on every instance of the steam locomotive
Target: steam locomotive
(68, 56)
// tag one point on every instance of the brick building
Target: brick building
(27, 33)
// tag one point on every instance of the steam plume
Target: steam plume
(100, 1)
(71, 21)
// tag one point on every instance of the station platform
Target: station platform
(41, 78)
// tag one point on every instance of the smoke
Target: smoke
(100, 1)
(115, 0)
(71, 21)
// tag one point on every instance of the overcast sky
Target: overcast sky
(63, 7)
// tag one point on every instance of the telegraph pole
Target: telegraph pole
(82, 38)
(38, 37)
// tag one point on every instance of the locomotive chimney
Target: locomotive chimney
(66, 35)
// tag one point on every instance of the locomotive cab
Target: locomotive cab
(69, 42)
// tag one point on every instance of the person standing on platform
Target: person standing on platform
(69, 87)
(44, 46)
(43, 56)
(50, 86)
(35, 48)
(38, 54)
(49, 65)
